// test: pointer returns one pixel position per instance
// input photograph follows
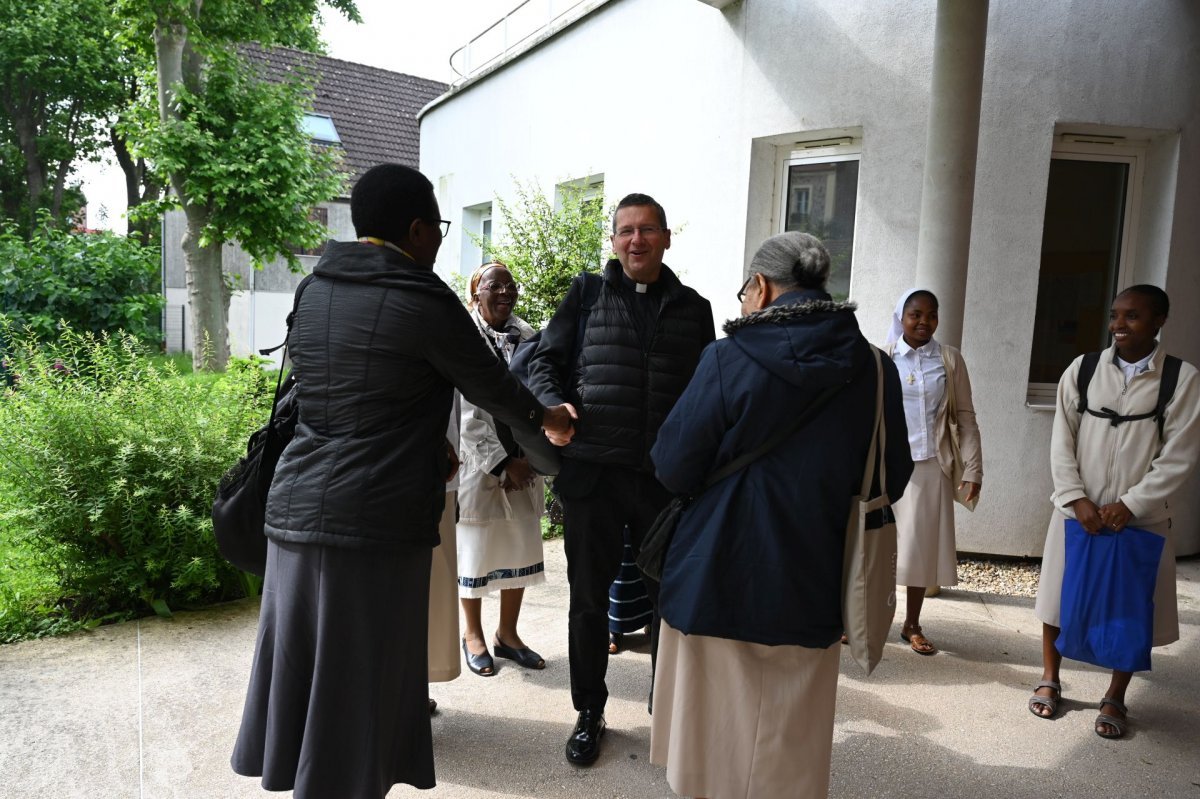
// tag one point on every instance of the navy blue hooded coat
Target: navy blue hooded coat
(758, 556)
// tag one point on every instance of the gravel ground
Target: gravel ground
(1008, 577)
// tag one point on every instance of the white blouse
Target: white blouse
(923, 380)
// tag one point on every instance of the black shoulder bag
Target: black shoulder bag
(658, 538)
(240, 508)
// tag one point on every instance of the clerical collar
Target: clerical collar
(640, 288)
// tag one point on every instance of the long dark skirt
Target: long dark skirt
(338, 699)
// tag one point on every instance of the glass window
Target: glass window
(1084, 240)
(320, 128)
(820, 198)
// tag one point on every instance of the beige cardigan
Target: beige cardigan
(1093, 459)
(969, 442)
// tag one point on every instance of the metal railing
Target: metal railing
(506, 36)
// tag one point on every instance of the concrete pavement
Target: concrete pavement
(151, 708)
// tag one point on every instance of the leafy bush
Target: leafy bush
(97, 282)
(108, 466)
(544, 247)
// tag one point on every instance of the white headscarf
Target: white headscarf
(896, 331)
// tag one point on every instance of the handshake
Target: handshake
(557, 423)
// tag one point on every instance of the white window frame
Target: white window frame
(473, 217)
(818, 151)
(589, 188)
(1104, 149)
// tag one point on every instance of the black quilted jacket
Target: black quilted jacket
(624, 384)
(379, 344)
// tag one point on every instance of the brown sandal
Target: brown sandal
(919, 643)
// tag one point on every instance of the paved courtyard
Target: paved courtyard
(150, 709)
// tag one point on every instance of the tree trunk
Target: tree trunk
(209, 295)
(178, 63)
(140, 187)
(35, 178)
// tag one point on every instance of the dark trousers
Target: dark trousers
(595, 514)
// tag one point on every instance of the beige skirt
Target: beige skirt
(734, 720)
(1049, 595)
(444, 661)
(925, 549)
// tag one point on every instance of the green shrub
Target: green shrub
(546, 244)
(108, 465)
(98, 282)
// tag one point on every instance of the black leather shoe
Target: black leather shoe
(483, 665)
(525, 656)
(583, 747)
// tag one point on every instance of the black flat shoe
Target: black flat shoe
(477, 663)
(524, 656)
(583, 747)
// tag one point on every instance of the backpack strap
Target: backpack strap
(1168, 380)
(1086, 369)
(592, 283)
(1166, 390)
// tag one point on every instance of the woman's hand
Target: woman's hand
(518, 474)
(1088, 514)
(972, 489)
(1115, 516)
(557, 422)
(452, 457)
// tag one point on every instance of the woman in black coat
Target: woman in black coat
(751, 585)
(337, 702)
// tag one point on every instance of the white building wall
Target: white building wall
(689, 104)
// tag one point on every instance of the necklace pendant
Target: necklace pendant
(912, 378)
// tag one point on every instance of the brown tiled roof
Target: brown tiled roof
(374, 110)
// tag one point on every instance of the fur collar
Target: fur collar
(782, 314)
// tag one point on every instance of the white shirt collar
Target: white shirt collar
(930, 350)
(1141, 365)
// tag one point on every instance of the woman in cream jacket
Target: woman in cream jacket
(1116, 475)
(944, 439)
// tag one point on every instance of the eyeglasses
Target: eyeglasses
(741, 295)
(497, 287)
(443, 225)
(645, 230)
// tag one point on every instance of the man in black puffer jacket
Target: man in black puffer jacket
(641, 340)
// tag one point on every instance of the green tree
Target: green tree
(95, 282)
(59, 83)
(230, 145)
(544, 246)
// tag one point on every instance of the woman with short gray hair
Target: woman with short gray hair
(751, 582)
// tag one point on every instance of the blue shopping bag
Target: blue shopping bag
(1107, 612)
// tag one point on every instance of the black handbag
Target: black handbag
(239, 509)
(657, 540)
(240, 506)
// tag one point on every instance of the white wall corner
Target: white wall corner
(718, 4)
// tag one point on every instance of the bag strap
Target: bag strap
(291, 317)
(951, 404)
(592, 284)
(878, 444)
(1087, 368)
(741, 462)
(1166, 390)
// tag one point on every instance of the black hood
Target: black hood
(357, 262)
(804, 338)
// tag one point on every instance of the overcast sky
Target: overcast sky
(411, 36)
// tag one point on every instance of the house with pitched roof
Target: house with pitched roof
(370, 116)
